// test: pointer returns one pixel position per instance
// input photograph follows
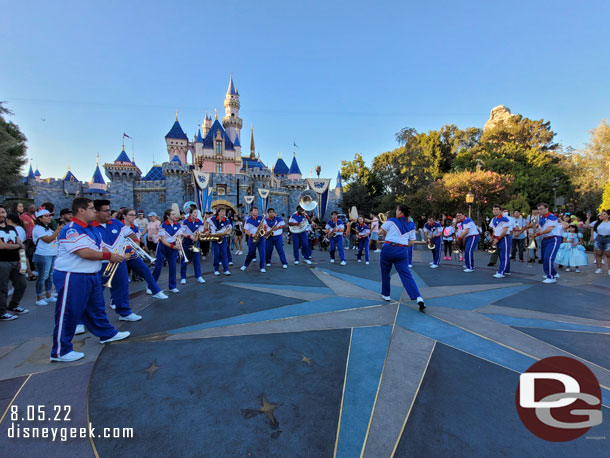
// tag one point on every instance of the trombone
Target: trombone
(112, 267)
(135, 246)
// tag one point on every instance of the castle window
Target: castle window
(285, 201)
(161, 197)
(218, 147)
(219, 167)
(138, 197)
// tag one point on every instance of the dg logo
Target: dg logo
(559, 399)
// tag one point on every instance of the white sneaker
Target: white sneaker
(598, 271)
(386, 298)
(242, 268)
(410, 265)
(227, 272)
(468, 270)
(332, 261)
(377, 251)
(200, 280)
(577, 270)
(268, 264)
(254, 260)
(175, 290)
(51, 299)
(216, 273)
(367, 263)
(307, 261)
(42, 302)
(557, 275)
(434, 266)
(160, 295)
(549, 280)
(80, 329)
(431, 262)
(567, 269)
(297, 263)
(285, 266)
(68, 357)
(231, 263)
(131, 317)
(118, 336)
(359, 260)
(263, 270)
(183, 281)
(148, 291)
(498, 276)
(112, 306)
(343, 263)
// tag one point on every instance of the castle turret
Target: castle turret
(207, 125)
(231, 121)
(295, 172)
(97, 183)
(177, 141)
(252, 149)
(280, 169)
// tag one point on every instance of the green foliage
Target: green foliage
(12, 154)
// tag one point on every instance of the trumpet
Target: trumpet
(135, 246)
(112, 267)
(181, 249)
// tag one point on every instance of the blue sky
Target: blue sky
(335, 77)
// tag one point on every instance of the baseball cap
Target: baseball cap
(42, 212)
(64, 211)
(152, 214)
(140, 212)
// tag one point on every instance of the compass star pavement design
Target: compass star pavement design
(355, 375)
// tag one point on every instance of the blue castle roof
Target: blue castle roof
(208, 141)
(31, 173)
(232, 89)
(339, 183)
(280, 167)
(237, 143)
(97, 176)
(294, 167)
(251, 163)
(37, 173)
(70, 176)
(199, 137)
(176, 132)
(176, 159)
(154, 174)
(123, 157)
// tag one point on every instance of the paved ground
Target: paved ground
(309, 362)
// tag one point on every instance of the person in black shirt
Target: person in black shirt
(10, 244)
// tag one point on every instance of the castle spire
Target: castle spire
(252, 154)
(176, 115)
(216, 113)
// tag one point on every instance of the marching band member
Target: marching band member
(251, 228)
(79, 285)
(168, 247)
(300, 239)
(501, 227)
(220, 224)
(550, 229)
(434, 233)
(334, 231)
(363, 239)
(275, 239)
(135, 263)
(399, 233)
(113, 234)
(467, 230)
(191, 226)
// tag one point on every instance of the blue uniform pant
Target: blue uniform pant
(336, 242)
(228, 243)
(396, 256)
(410, 254)
(550, 245)
(79, 300)
(163, 253)
(252, 248)
(472, 242)
(503, 246)
(363, 244)
(436, 253)
(219, 250)
(141, 269)
(277, 242)
(119, 289)
(193, 257)
(300, 240)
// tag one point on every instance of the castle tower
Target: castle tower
(207, 125)
(231, 121)
(295, 172)
(252, 149)
(177, 142)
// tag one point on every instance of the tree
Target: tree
(12, 153)
(354, 171)
(605, 205)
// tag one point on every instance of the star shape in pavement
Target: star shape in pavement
(391, 342)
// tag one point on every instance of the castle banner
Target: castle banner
(202, 179)
(321, 187)
(263, 199)
(248, 200)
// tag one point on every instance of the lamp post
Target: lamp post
(469, 201)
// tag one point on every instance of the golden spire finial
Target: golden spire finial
(68, 167)
(176, 115)
(97, 162)
(216, 113)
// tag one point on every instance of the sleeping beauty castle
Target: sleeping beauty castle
(210, 170)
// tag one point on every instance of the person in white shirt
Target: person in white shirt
(502, 228)
(601, 232)
(551, 230)
(45, 240)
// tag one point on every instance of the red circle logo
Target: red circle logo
(559, 399)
